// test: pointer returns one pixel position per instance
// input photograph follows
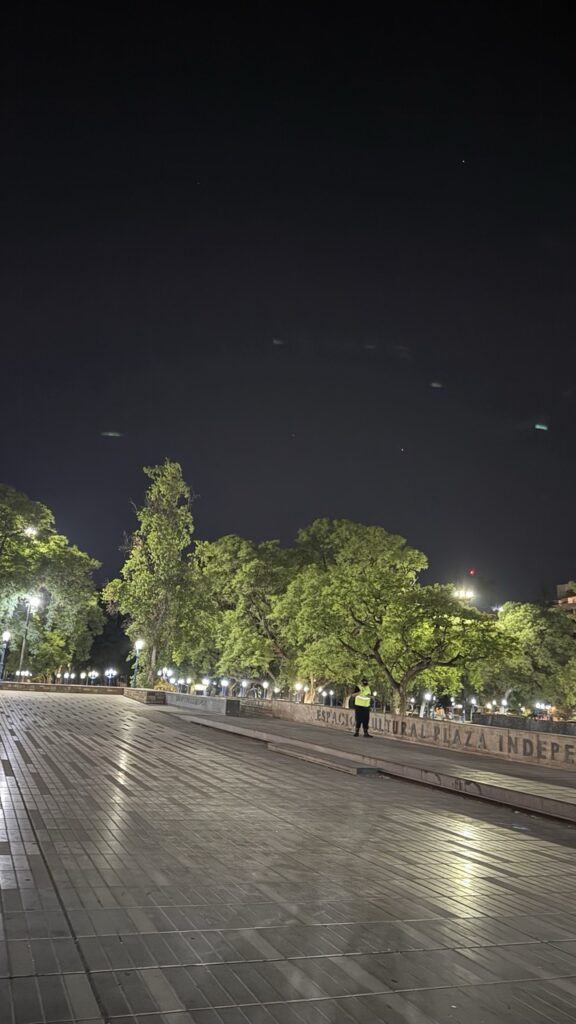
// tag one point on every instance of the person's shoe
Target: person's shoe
(356, 734)
(368, 735)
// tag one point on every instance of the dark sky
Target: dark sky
(253, 241)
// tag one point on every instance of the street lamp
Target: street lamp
(4, 651)
(276, 691)
(31, 603)
(83, 677)
(427, 702)
(298, 688)
(265, 686)
(331, 698)
(244, 684)
(92, 676)
(110, 674)
(224, 683)
(138, 646)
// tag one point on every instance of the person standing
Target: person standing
(362, 702)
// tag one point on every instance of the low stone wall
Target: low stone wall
(210, 705)
(61, 688)
(527, 724)
(143, 696)
(556, 750)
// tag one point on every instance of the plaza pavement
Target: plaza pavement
(531, 787)
(155, 871)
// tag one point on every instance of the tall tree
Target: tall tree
(334, 610)
(149, 591)
(538, 643)
(26, 531)
(37, 561)
(228, 629)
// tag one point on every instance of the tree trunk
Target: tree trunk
(151, 673)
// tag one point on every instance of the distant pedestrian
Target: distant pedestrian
(362, 701)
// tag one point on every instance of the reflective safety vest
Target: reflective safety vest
(364, 698)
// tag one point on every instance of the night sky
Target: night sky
(326, 262)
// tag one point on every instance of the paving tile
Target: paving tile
(204, 879)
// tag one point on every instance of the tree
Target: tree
(35, 560)
(26, 529)
(334, 611)
(537, 643)
(357, 611)
(430, 635)
(228, 628)
(153, 577)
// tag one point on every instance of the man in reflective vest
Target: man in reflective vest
(362, 702)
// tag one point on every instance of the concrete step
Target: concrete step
(338, 764)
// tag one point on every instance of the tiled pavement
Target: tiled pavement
(547, 784)
(153, 871)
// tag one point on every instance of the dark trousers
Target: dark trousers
(362, 718)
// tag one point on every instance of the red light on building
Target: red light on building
(471, 572)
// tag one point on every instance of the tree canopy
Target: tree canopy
(150, 588)
(37, 562)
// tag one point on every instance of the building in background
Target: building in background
(566, 597)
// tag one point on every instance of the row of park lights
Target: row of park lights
(92, 675)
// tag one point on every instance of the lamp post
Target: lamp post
(92, 676)
(244, 684)
(4, 651)
(298, 688)
(331, 698)
(473, 704)
(110, 674)
(427, 701)
(137, 647)
(276, 691)
(265, 686)
(31, 603)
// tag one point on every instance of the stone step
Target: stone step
(335, 762)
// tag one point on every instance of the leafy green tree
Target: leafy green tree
(37, 561)
(429, 636)
(153, 579)
(26, 532)
(537, 643)
(228, 629)
(333, 613)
